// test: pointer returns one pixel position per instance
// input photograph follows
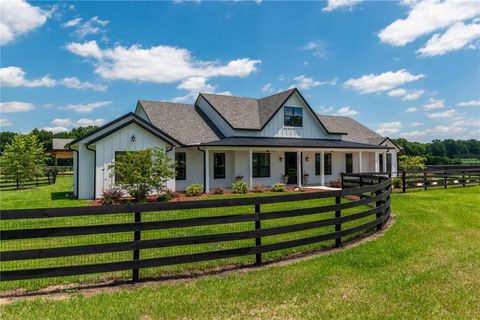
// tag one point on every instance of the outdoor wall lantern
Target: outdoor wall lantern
(307, 158)
(281, 158)
(133, 138)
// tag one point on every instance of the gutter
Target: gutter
(94, 171)
(204, 169)
(78, 166)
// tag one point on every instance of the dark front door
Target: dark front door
(291, 167)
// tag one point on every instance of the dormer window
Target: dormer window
(293, 117)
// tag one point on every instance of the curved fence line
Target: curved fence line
(315, 217)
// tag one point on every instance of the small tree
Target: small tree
(23, 159)
(142, 172)
(412, 163)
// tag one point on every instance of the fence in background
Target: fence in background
(206, 227)
(9, 184)
(62, 170)
(439, 178)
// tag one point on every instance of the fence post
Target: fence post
(136, 252)
(341, 175)
(36, 181)
(338, 226)
(463, 178)
(403, 181)
(258, 240)
(361, 185)
(425, 181)
(445, 180)
(378, 203)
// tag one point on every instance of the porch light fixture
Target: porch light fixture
(281, 158)
(307, 158)
(133, 138)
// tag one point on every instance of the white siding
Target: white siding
(121, 141)
(194, 168)
(229, 170)
(85, 173)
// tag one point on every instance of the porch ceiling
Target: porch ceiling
(290, 143)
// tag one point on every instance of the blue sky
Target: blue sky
(409, 69)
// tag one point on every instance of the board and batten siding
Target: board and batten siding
(194, 168)
(121, 140)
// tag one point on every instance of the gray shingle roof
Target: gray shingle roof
(356, 132)
(184, 122)
(59, 144)
(247, 113)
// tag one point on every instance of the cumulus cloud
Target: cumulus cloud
(386, 81)
(389, 128)
(5, 123)
(59, 125)
(92, 26)
(87, 107)
(318, 48)
(194, 85)
(84, 122)
(15, 77)
(442, 115)
(61, 122)
(55, 129)
(86, 49)
(412, 109)
(456, 37)
(340, 4)
(19, 17)
(425, 17)
(471, 103)
(15, 106)
(407, 95)
(347, 112)
(305, 83)
(434, 104)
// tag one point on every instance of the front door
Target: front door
(291, 167)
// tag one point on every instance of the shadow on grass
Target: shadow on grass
(62, 196)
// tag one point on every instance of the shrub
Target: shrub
(336, 183)
(239, 187)
(111, 196)
(258, 188)
(173, 194)
(397, 183)
(278, 187)
(164, 197)
(218, 190)
(194, 189)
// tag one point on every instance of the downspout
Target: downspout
(204, 170)
(94, 171)
(78, 166)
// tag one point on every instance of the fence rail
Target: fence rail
(7, 183)
(439, 178)
(373, 202)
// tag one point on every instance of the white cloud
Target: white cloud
(159, 64)
(305, 83)
(15, 77)
(406, 94)
(61, 122)
(92, 26)
(386, 81)
(440, 131)
(337, 4)
(55, 129)
(471, 103)
(86, 108)
(412, 109)
(317, 47)
(15, 106)
(194, 85)
(434, 104)
(456, 37)
(72, 23)
(425, 17)
(258, 1)
(325, 109)
(442, 115)
(347, 112)
(268, 88)
(19, 17)
(5, 123)
(389, 128)
(417, 124)
(84, 122)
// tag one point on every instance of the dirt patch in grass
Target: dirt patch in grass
(60, 292)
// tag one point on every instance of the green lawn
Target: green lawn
(427, 266)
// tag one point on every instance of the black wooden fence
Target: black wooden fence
(8, 183)
(439, 178)
(373, 204)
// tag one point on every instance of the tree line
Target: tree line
(447, 151)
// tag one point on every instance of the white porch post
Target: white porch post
(322, 168)
(360, 161)
(299, 169)
(207, 172)
(171, 184)
(384, 162)
(250, 169)
(377, 162)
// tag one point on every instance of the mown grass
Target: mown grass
(426, 266)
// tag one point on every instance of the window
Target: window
(317, 164)
(380, 162)
(261, 165)
(389, 162)
(117, 177)
(181, 159)
(348, 162)
(219, 166)
(293, 117)
(327, 160)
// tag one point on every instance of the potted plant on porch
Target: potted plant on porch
(285, 178)
(305, 178)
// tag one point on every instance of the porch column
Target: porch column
(377, 162)
(250, 169)
(384, 157)
(207, 172)
(299, 169)
(322, 168)
(171, 184)
(360, 161)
